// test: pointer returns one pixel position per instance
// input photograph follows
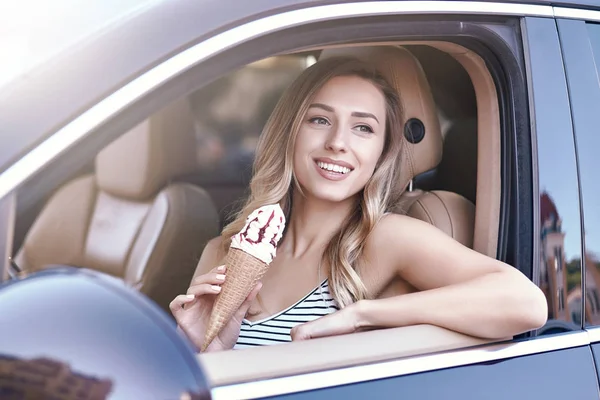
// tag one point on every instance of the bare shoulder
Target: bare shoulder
(384, 244)
(396, 238)
(400, 233)
(424, 255)
(393, 228)
(210, 256)
(384, 252)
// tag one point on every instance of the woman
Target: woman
(329, 155)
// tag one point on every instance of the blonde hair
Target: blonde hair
(273, 172)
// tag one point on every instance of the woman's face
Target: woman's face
(341, 139)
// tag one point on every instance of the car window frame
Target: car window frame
(7, 223)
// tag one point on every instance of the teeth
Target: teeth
(333, 167)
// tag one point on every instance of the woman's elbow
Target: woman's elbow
(525, 303)
(531, 310)
(537, 312)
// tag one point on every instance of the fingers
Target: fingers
(241, 313)
(209, 283)
(215, 277)
(178, 302)
(301, 332)
(203, 289)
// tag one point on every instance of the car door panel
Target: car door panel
(529, 377)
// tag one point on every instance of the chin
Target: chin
(329, 194)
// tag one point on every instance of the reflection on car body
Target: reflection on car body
(41, 377)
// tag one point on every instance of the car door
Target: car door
(530, 362)
(524, 369)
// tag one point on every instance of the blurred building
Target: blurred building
(563, 293)
(43, 378)
(592, 286)
(553, 276)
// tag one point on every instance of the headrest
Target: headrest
(140, 163)
(423, 149)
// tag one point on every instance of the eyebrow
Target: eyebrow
(364, 115)
(358, 114)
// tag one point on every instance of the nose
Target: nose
(336, 140)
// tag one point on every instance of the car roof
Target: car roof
(592, 4)
(140, 32)
(29, 38)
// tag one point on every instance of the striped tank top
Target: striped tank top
(276, 328)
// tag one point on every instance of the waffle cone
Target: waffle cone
(243, 273)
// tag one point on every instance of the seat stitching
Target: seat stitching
(447, 212)
(426, 212)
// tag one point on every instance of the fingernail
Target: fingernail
(190, 296)
(221, 268)
(216, 288)
(221, 277)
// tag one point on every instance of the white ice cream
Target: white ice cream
(263, 230)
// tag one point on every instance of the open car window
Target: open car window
(209, 138)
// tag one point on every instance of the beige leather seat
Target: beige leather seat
(127, 219)
(448, 211)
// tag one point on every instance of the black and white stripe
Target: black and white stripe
(276, 328)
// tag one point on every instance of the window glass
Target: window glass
(559, 273)
(589, 164)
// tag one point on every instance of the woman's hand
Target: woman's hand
(346, 320)
(192, 310)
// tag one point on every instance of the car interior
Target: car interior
(128, 219)
(145, 207)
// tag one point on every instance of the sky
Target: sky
(31, 31)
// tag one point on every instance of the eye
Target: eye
(364, 128)
(319, 121)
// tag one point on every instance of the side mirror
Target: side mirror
(74, 333)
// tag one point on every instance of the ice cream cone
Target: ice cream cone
(249, 256)
(243, 273)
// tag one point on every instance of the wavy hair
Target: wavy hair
(273, 172)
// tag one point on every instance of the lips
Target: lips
(333, 169)
(331, 165)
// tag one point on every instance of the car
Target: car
(123, 152)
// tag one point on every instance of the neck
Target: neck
(312, 224)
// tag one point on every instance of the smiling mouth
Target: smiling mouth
(333, 168)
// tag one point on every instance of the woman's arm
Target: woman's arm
(459, 289)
